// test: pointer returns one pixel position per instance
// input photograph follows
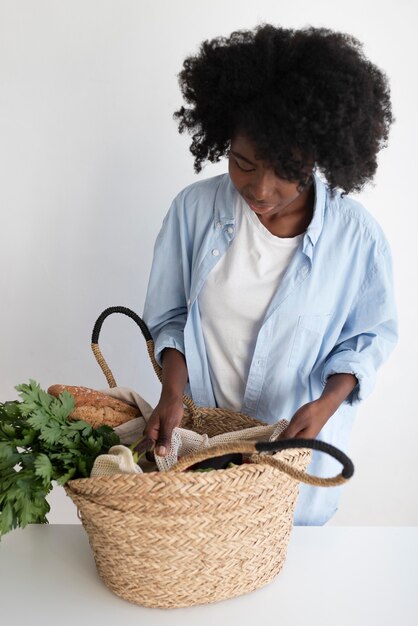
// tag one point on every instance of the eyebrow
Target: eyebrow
(237, 154)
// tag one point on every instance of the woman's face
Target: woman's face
(265, 193)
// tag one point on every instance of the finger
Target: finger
(144, 444)
(164, 440)
(303, 433)
(152, 429)
(289, 433)
(294, 432)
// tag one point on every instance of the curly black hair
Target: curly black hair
(297, 94)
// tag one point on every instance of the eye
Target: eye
(243, 169)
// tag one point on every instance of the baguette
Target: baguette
(97, 408)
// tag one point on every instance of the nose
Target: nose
(263, 186)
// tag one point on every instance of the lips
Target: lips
(260, 207)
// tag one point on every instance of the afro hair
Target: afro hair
(299, 95)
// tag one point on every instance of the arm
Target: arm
(309, 420)
(366, 340)
(169, 410)
(165, 313)
(174, 375)
(165, 309)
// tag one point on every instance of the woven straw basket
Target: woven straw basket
(175, 538)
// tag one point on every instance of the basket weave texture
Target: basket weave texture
(176, 538)
(167, 540)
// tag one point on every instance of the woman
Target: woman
(271, 291)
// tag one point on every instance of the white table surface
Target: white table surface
(335, 576)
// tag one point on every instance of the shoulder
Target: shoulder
(197, 206)
(351, 219)
(201, 191)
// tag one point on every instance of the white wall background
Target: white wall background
(90, 160)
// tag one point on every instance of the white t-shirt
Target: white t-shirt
(234, 299)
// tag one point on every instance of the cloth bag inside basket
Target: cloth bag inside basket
(183, 441)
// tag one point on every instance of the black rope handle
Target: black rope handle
(251, 447)
(119, 309)
(95, 340)
(313, 444)
(187, 401)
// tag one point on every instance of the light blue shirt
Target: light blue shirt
(333, 312)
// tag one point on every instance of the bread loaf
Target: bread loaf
(97, 408)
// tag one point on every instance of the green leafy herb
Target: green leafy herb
(39, 444)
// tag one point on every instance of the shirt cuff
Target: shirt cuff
(168, 340)
(350, 364)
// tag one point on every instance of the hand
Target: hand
(165, 417)
(308, 421)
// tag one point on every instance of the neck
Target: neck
(296, 221)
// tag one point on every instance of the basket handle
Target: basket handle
(274, 446)
(245, 447)
(150, 347)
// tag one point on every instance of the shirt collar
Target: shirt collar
(224, 202)
(315, 227)
(224, 206)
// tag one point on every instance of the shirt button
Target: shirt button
(188, 302)
(230, 230)
(215, 252)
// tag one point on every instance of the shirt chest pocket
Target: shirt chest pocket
(307, 340)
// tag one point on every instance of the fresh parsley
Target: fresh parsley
(39, 444)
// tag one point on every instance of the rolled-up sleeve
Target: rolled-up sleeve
(370, 332)
(165, 308)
